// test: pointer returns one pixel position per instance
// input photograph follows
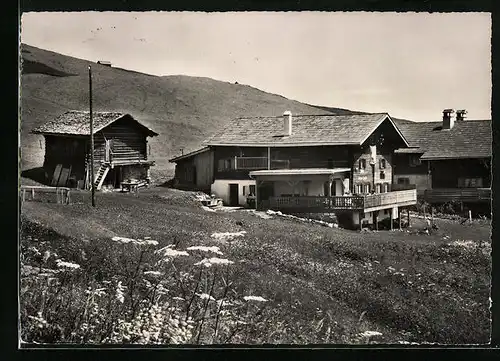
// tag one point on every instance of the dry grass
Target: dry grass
(325, 285)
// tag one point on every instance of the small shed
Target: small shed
(120, 149)
(104, 62)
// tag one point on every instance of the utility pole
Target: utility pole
(91, 139)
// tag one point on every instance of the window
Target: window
(252, 189)
(377, 188)
(362, 165)
(358, 189)
(382, 163)
(367, 188)
(470, 182)
(403, 180)
(415, 160)
(382, 174)
(386, 187)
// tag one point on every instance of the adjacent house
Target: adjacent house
(339, 164)
(449, 160)
(104, 62)
(120, 149)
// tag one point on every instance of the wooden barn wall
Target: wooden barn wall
(204, 165)
(128, 141)
(445, 173)
(184, 172)
(402, 165)
(67, 151)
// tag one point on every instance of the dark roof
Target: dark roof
(307, 130)
(467, 139)
(77, 122)
(189, 155)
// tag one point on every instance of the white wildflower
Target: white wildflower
(168, 251)
(213, 249)
(153, 273)
(145, 242)
(119, 292)
(254, 298)
(227, 236)
(464, 243)
(205, 296)
(208, 262)
(370, 334)
(64, 264)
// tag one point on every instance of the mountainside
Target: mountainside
(184, 110)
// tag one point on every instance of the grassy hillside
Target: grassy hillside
(323, 285)
(184, 110)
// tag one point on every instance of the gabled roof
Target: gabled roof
(77, 122)
(189, 155)
(307, 130)
(467, 139)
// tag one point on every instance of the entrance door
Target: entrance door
(233, 194)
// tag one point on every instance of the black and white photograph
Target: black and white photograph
(254, 178)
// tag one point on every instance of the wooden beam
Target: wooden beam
(268, 158)
(390, 215)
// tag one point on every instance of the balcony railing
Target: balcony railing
(389, 198)
(325, 204)
(457, 194)
(256, 163)
(317, 203)
(251, 162)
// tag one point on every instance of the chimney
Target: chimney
(461, 115)
(448, 119)
(287, 123)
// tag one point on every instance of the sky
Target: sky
(410, 65)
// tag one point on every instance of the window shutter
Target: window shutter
(244, 190)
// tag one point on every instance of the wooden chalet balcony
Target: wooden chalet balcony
(366, 203)
(444, 195)
(260, 163)
(256, 163)
(373, 202)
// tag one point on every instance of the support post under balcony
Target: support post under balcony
(268, 158)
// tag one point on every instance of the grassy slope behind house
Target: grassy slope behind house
(184, 110)
(409, 287)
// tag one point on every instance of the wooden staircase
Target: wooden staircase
(101, 175)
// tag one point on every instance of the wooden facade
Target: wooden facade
(446, 180)
(121, 146)
(195, 172)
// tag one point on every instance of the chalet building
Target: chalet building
(120, 149)
(303, 164)
(104, 62)
(449, 160)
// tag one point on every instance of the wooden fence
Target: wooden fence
(61, 195)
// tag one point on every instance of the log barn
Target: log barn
(120, 149)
